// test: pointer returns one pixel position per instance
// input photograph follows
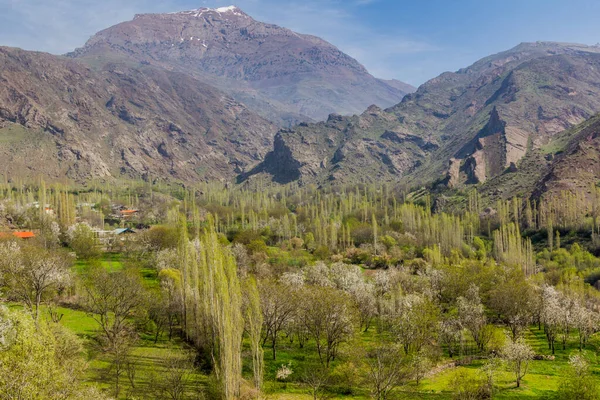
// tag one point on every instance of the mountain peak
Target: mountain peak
(198, 12)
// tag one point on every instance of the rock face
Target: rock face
(366, 148)
(473, 125)
(576, 167)
(284, 76)
(60, 118)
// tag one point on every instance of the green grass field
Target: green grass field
(541, 381)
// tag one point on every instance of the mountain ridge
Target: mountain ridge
(482, 119)
(285, 76)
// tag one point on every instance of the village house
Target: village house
(20, 235)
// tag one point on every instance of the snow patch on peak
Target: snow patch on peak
(226, 9)
(221, 10)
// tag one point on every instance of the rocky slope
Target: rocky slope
(569, 162)
(366, 148)
(282, 75)
(463, 127)
(575, 166)
(60, 118)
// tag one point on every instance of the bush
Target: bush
(469, 385)
(322, 252)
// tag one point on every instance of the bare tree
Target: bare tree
(119, 351)
(317, 380)
(112, 298)
(176, 377)
(278, 306)
(385, 371)
(329, 316)
(30, 273)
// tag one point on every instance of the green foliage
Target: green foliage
(469, 385)
(83, 241)
(39, 361)
(578, 383)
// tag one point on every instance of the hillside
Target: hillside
(473, 124)
(59, 118)
(282, 75)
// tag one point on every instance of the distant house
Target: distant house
(20, 235)
(123, 231)
(107, 237)
(24, 235)
(128, 213)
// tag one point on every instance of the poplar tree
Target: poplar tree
(220, 298)
(254, 321)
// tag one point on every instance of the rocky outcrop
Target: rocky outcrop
(366, 148)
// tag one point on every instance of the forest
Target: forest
(134, 290)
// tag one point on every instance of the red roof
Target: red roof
(24, 235)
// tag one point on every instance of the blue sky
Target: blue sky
(408, 40)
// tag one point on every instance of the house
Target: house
(20, 235)
(107, 237)
(24, 235)
(122, 231)
(128, 213)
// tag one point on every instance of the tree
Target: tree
(472, 317)
(415, 322)
(451, 335)
(176, 378)
(328, 315)
(511, 300)
(83, 241)
(170, 285)
(254, 321)
(585, 321)
(550, 314)
(578, 383)
(214, 295)
(517, 354)
(385, 370)
(40, 360)
(112, 298)
(316, 380)
(469, 385)
(278, 306)
(30, 273)
(420, 365)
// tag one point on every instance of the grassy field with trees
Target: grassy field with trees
(290, 292)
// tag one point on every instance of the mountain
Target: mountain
(59, 117)
(284, 76)
(463, 127)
